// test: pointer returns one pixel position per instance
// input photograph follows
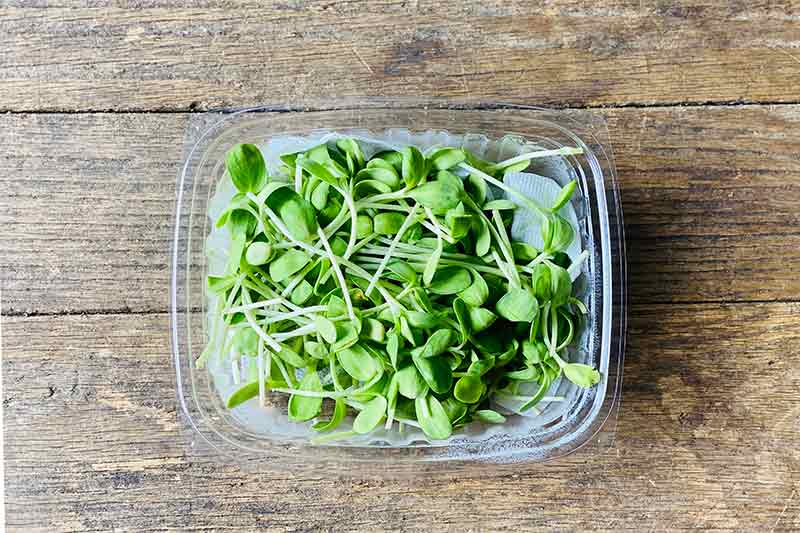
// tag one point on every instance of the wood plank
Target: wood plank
(707, 438)
(709, 194)
(166, 55)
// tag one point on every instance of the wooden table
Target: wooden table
(703, 105)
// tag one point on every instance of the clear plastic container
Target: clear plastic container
(578, 422)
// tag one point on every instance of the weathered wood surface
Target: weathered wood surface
(161, 54)
(708, 432)
(707, 438)
(709, 194)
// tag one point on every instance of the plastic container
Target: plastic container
(211, 135)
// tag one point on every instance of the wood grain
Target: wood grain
(709, 195)
(166, 55)
(707, 438)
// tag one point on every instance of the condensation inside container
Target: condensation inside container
(542, 181)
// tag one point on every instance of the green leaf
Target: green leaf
(561, 285)
(220, 284)
(388, 223)
(246, 167)
(365, 188)
(475, 186)
(392, 157)
(302, 408)
(546, 231)
(242, 394)
(382, 173)
(336, 306)
(421, 299)
(301, 293)
(414, 166)
(319, 197)
(291, 261)
(339, 412)
(438, 343)
(483, 238)
(526, 374)
(369, 417)
(326, 173)
(489, 416)
(435, 371)
(561, 259)
(469, 389)
(500, 205)
(346, 336)
(479, 367)
(432, 264)
(534, 352)
(439, 195)
(517, 167)
(326, 328)
(413, 233)
(455, 410)
(423, 319)
(403, 270)
(258, 253)
(290, 357)
(406, 332)
(363, 226)
(315, 349)
(432, 418)
(352, 150)
(411, 384)
(481, 318)
(542, 283)
(581, 375)
(392, 346)
(461, 310)
(564, 195)
(478, 291)
(459, 222)
(450, 280)
(245, 341)
(518, 305)
(524, 252)
(508, 354)
(358, 363)
(297, 214)
(562, 234)
(544, 384)
(446, 158)
(373, 330)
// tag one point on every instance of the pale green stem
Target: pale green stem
(406, 224)
(530, 204)
(299, 277)
(248, 314)
(432, 227)
(505, 242)
(307, 312)
(574, 269)
(254, 305)
(366, 240)
(348, 200)
(566, 150)
(335, 266)
(504, 267)
(298, 178)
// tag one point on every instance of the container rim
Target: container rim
(614, 295)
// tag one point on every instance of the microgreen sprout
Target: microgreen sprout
(388, 288)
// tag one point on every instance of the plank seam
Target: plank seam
(433, 105)
(144, 312)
